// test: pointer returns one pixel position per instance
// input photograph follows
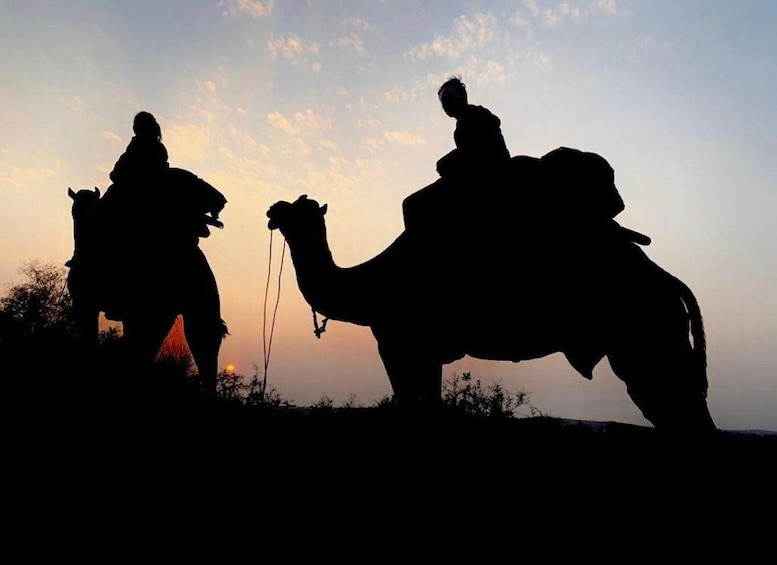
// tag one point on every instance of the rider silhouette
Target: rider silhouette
(145, 155)
(480, 146)
(470, 175)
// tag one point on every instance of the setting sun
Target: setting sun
(230, 368)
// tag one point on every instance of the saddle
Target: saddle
(565, 195)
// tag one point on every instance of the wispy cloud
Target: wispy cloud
(469, 32)
(373, 143)
(19, 170)
(552, 14)
(110, 136)
(328, 144)
(404, 138)
(604, 6)
(206, 85)
(565, 10)
(292, 48)
(300, 124)
(78, 104)
(251, 8)
(188, 142)
(351, 42)
(357, 23)
(398, 94)
(279, 121)
(289, 47)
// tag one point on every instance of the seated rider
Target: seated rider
(476, 165)
(145, 155)
(480, 146)
(132, 211)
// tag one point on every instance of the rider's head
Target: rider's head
(453, 96)
(146, 126)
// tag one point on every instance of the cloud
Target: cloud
(328, 144)
(188, 142)
(252, 8)
(404, 138)
(301, 124)
(351, 42)
(277, 120)
(110, 136)
(369, 122)
(293, 49)
(398, 94)
(20, 170)
(290, 47)
(604, 6)
(532, 6)
(78, 104)
(553, 15)
(248, 143)
(247, 166)
(357, 23)
(206, 85)
(309, 121)
(489, 71)
(373, 143)
(469, 32)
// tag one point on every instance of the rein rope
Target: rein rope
(318, 330)
(265, 342)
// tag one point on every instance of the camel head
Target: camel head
(84, 201)
(284, 215)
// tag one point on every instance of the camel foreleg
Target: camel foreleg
(415, 374)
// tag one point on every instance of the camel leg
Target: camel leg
(204, 335)
(202, 324)
(415, 375)
(144, 336)
(665, 378)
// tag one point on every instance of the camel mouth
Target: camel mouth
(274, 211)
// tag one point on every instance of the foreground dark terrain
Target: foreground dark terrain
(327, 439)
(112, 473)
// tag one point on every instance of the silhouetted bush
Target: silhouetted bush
(461, 392)
(253, 392)
(37, 332)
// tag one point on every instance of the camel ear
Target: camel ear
(70, 193)
(323, 209)
(97, 191)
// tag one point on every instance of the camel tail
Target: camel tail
(696, 322)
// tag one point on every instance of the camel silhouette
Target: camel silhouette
(512, 285)
(146, 277)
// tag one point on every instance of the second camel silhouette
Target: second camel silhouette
(510, 284)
